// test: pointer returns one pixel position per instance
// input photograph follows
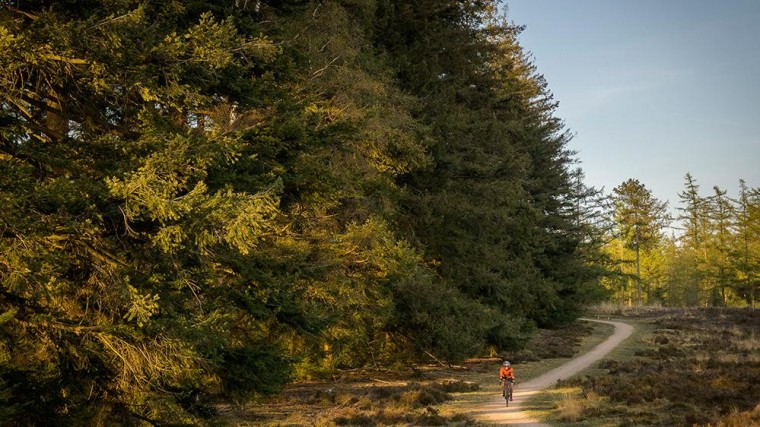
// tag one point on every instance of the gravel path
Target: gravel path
(495, 411)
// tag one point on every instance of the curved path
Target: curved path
(496, 413)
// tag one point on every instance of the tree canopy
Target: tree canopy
(200, 199)
(711, 258)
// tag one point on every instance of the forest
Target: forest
(201, 201)
(704, 252)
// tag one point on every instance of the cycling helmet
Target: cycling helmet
(507, 364)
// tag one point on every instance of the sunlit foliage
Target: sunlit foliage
(198, 199)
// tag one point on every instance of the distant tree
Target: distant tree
(592, 213)
(640, 218)
(746, 255)
(676, 268)
(693, 217)
(721, 215)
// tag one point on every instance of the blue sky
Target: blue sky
(653, 89)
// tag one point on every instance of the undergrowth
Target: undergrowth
(395, 397)
(699, 367)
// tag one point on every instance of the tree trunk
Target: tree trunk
(638, 276)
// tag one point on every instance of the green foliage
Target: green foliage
(436, 317)
(712, 262)
(197, 198)
(640, 219)
(493, 211)
(253, 370)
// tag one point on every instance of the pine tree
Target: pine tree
(122, 286)
(693, 217)
(495, 210)
(747, 252)
(198, 199)
(721, 216)
(640, 218)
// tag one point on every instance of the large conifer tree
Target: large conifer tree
(197, 198)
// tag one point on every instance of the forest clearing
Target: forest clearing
(682, 367)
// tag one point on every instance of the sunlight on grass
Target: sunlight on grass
(570, 407)
(660, 375)
(751, 343)
(565, 405)
(676, 360)
(537, 408)
(557, 403)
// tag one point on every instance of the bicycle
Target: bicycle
(507, 396)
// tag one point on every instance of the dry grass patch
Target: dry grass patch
(358, 400)
(566, 406)
(750, 343)
(742, 419)
(569, 407)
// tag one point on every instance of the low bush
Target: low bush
(418, 395)
(355, 420)
(457, 386)
(552, 343)
(742, 419)
(699, 369)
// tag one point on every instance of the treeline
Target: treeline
(199, 200)
(707, 254)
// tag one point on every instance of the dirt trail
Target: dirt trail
(495, 411)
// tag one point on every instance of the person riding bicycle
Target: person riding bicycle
(507, 376)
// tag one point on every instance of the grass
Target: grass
(428, 395)
(662, 375)
(682, 367)
(563, 403)
(584, 338)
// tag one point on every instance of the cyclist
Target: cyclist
(507, 377)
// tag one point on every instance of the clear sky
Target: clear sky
(653, 89)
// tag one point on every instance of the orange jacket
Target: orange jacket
(506, 373)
